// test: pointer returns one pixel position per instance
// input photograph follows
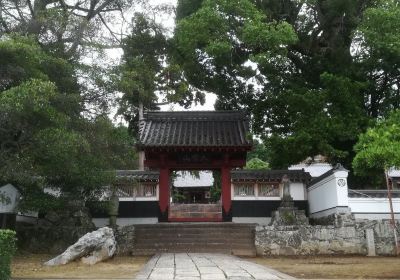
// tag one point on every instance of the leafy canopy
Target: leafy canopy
(45, 141)
(256, 163)
(378, 148)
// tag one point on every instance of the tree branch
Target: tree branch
(108, 28)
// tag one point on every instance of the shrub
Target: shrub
(7, 250)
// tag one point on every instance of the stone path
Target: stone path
(190, 266)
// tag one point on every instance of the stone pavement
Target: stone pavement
(190, 266)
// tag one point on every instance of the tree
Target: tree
(45, 142)
(65, 27)
(148, 74)
(378, 148)
(256, 163)
(313, 74)
(258, 151)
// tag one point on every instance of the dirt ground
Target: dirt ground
(334, 267)
(31, 266)
(321, 267)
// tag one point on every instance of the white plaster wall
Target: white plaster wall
(297, 191)
(367, 207)
(342, 191)
(380, 216)
(102, 222)
(323, 195)
(12, 195)
(328, 193)
(29, 217)
(252, 220)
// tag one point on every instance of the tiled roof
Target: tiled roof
(194, 129)
(270, 175)
(337, 167)
(373, 193)
(139, 175)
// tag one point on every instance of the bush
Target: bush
(7, 250)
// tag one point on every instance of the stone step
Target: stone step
(191, 244)
(196, 225)
(209, 215)
(195, 237)
(152, 242)
(236, 252)
(150, 252)
(234, 237)
(194, 231)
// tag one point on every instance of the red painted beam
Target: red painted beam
(164, 189)
(194, 219)
(226, 189)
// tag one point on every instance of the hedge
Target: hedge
(7, 250)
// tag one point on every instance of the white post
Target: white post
(141, 153)
(392, 220)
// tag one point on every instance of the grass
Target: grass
(31, 266)
(335, 267)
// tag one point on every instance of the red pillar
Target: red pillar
(226, 193)
(164, 194)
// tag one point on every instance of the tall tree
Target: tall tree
(311, 73)
(44, 139)
(147, 75)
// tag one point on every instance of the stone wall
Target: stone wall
(125, 237)
(324, 239)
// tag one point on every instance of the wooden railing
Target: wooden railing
(268, 190)
(137, 190)
(256, 190)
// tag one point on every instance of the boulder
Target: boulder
(91, 248)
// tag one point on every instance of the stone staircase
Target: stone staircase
(195, 212)
(227, 238)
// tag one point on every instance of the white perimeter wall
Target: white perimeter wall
(373, 208)
(102, 222)
(329, 193)
(298, 191)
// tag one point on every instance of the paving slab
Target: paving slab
(204, 266)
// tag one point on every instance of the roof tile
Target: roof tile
(194, 128)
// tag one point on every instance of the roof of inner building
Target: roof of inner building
(194, 129)
(270, 175)
(138, 175)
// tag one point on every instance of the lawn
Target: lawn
(335, 267)
(31, 266)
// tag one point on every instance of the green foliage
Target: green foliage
(214, 43)
(378, 148)
(312, 74)
(177, 196)
(45, 140)
(7, 250)
(23, 59)
(256, 163)
(288, 218)
(147, 72)
(259, 151)
(215, 190)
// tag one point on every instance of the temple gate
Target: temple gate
(194, 140)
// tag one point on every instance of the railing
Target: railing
(268, 190)
(137, 191)
(256, 191)
(244, 190)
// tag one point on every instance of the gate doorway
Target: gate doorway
(195, 196)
